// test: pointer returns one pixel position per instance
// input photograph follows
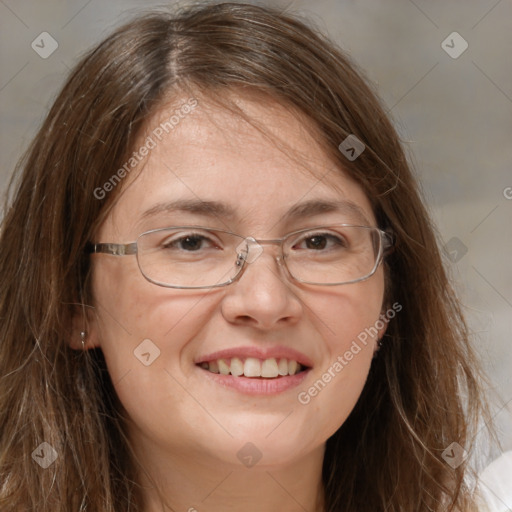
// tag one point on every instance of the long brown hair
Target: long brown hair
(388, 453)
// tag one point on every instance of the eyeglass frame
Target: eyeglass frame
(386, 246)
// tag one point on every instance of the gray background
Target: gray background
(453, 114)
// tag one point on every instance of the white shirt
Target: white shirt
(495, 485)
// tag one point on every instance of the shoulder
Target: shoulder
(495, 485)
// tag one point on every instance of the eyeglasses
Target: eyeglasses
(197, 257)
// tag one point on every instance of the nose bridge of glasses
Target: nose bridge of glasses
(251, 249)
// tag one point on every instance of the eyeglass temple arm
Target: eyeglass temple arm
(114, 249)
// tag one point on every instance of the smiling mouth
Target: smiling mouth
(271, 368)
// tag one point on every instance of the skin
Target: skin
(185, 430)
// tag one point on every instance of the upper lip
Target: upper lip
(258, 353)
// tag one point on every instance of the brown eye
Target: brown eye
(316, 242)
(319, 242)
(191, 242)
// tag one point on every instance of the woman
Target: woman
(221, 289)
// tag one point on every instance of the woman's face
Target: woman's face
(154, 338)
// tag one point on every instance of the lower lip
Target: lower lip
(255, 385)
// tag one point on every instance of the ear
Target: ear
(84, 331)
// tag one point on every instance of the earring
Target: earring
(377, 348)
(83, 336)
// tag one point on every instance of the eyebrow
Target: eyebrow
(317, 207)
(299, 211)
(198, 207)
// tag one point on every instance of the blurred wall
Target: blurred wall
(452, 106)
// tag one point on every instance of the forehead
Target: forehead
(253, 167)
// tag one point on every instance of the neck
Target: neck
(195, 482)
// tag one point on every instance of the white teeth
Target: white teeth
(269, 368)
(282, 367)
(237, 367)
(252, 367)
(292, 367)
(223, 367)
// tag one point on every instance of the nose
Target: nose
(263, 296)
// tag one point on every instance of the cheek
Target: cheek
(350, 313)
(144, 331)
(349, 323)
(130, 309)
